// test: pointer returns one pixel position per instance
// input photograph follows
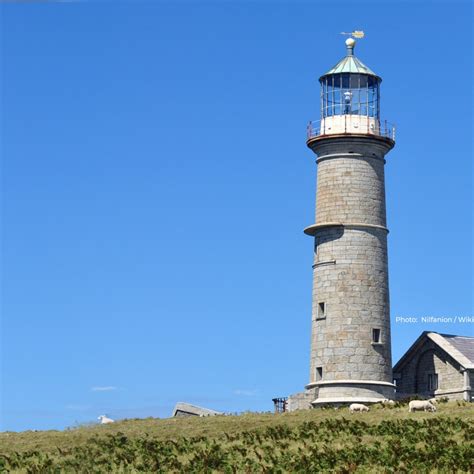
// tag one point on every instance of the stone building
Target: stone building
(350, 358)
(437, 365)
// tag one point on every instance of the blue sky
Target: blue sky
(155, 184)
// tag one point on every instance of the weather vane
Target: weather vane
(355, 34)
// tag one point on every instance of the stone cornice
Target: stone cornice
(312, 229)
(348, 382)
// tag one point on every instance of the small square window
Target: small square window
(321, 310)
(376, 335)
(432, 382)
(319, 373)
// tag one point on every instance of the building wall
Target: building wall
(350, 277)
(350, 269)
(469, 395)
(300, 401)
(351, 189)
(429, 358)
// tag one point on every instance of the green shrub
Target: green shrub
(316, 441)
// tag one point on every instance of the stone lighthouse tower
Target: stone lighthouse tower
(350, 338)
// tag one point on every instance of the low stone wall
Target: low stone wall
(458, 394)
(300, 401)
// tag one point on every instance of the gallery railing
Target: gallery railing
(350, 124)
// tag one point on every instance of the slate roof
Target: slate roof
(187, 409)
(464, 344)
(460, 348)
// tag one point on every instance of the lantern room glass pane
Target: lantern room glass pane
(354, 81)
(355, 102)
(337, 102)
(345, 80)
(347, 93)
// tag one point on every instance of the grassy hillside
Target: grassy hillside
(383, 440)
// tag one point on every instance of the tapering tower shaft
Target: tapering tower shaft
(350, 342)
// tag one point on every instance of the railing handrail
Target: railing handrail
(370, 125)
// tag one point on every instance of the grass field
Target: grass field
(383, 440)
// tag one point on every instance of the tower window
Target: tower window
(432, 382)
(376, 336)
(321, 310)
(319, 373)
(316, 246)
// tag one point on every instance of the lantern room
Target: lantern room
(350, 97)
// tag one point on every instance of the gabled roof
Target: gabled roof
(460, 348)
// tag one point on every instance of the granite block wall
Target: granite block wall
(350, 340)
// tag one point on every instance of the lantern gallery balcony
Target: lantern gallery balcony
(350, 125)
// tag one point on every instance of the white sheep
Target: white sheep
(104, 420)
(424, 405)
(386, 401)
(357, 407)
(434, 400)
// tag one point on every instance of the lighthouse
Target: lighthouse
(350, 359)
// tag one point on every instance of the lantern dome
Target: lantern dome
(350, 64)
